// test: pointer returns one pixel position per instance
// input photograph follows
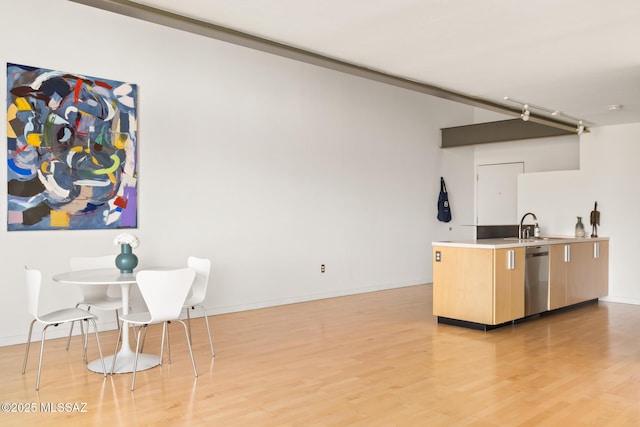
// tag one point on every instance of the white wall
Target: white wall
(563, 178)
(538, 154)
(268, 166)
(609, 174)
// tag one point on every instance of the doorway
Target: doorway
(497, 193)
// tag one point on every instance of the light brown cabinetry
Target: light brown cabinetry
(558, 267)
(478, 285)
(578, 272)
(508, 267)
(601, 274)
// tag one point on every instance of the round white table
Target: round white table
(112, 276)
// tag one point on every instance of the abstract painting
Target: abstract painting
(71, 151)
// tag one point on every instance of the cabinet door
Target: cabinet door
(463, 283)
(508, 285)
(601, 255)
(580, 273)
(557, 276)
(596, 265)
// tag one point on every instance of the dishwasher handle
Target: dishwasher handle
(536, 251)
(537, 254)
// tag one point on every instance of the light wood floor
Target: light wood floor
(377, 359)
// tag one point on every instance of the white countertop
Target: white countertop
(514, 242)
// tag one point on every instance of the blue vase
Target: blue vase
(126, 260)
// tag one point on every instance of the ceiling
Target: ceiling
(576, 57)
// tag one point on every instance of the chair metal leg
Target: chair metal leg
(168, 342)
(189, 322)
(71, 330)
(81, 325)
(144, 337)
(85, 340)
(193, 362)
(44, 330)
(43, 340)
(115, 353)
(26, 352)
(206, 322)
(135, 360)
(73, 323)
(95, 330)
(206, 319)
(134, 333)
(164, 332)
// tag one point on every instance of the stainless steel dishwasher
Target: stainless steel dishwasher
(536, 280)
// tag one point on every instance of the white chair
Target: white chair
(55, 318)
(198, 292)
(104, 298)
(164, 292)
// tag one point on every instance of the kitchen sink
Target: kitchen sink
(535, 239)
(517, 239)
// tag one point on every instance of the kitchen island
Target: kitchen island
(481, 283)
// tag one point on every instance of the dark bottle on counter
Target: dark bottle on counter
(579, 228)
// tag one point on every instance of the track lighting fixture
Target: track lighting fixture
(526, 115)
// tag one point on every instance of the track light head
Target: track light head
(525, 115)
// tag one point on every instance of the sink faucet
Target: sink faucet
(520, 236)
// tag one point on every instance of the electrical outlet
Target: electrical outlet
(438, 256)
(322, 269)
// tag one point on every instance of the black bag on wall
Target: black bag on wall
(444, 210)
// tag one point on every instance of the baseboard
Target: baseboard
(306, 298)
(63, 331)
(621, 300)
